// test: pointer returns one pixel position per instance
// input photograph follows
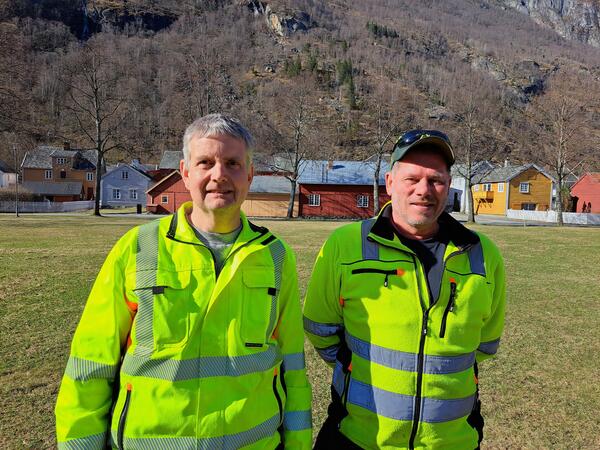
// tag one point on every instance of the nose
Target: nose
(423, 187)
(219, 172)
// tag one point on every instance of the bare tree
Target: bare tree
(388, 113)
(293, 135)
(95, 101)
(562, 120)
(477, 141)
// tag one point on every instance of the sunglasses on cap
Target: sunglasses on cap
(410, 139)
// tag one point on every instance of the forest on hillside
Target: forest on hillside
(310, 79)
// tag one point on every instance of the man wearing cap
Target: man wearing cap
(403, 306)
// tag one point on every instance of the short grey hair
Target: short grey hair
(217, 125)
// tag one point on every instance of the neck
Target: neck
(213, 223)
(412, 232)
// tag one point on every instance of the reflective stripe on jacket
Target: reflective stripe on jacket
(209, 363)
(403, 362)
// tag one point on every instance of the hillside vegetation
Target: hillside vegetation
(346, 77)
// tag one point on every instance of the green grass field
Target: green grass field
(542, 391)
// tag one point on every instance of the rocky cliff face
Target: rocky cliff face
(573, 19)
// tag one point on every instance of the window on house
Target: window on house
(63, 173)
(164, 199)
(487, 187)
(124, 175)
(500, 187)
(61, 160)
(362, 201)
(116, 194)
(314, 199)
(133, 194)
(476, 188)
(89, 176)
(524, 188)
(528, 206)
(48, 174)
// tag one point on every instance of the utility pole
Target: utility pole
(16, 182)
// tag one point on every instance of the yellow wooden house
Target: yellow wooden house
(526, 187)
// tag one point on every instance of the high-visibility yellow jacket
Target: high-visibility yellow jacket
(168, 356)
(403, 362)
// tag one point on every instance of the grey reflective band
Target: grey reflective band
(328, 354)
(297, 420)
(80, 369)
(278, 255)
(96, 441)
(476, 259)
(204, 367)
(146, 262)
(322, 329)
(229, 442)
(489, 348)
(400, 407)
(406, 361)
(294, 361)
(370, 249)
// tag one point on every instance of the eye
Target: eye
(233, 163)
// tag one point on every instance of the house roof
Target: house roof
(594, 176)
(341, 172)
(41, 157)
(170, 159)
(507, 173)
(271, 184)
(5, 168)
(161, 181)
(130, 166)
(49, 188)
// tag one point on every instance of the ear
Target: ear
(388, 183)
(250, 173)
(185, 173)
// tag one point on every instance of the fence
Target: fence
(550, 216)
(45, 207)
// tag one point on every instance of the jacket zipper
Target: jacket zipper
(421, 356)
(420, 362)
(122, 418)
(449, 307)
(387, 273)
(278, 397)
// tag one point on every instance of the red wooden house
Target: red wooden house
(587, 190)
(167, 195)
(341, 189)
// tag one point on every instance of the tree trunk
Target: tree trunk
(98, 176)
(376, 186)
(559, 206)
(471, 209)
(290, 210)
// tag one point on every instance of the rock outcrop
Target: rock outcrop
(573, 19)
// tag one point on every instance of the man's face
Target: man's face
(418, 185)
(218, 175)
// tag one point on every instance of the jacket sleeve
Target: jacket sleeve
(494, 323)
(85, 395)
(297, 420)
(323, 321)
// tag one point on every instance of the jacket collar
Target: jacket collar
(460, 235)
(180, 229)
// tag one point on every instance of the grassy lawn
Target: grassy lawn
(542, 391)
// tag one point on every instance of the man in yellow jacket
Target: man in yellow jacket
(192, 333)
(403, 306)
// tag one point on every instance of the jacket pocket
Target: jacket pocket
(123, 418)
(276, 392)
(167, 302)
(259, 307)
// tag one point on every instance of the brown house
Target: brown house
(60, 174)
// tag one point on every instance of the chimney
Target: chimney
(506, 163)
(66, 146)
